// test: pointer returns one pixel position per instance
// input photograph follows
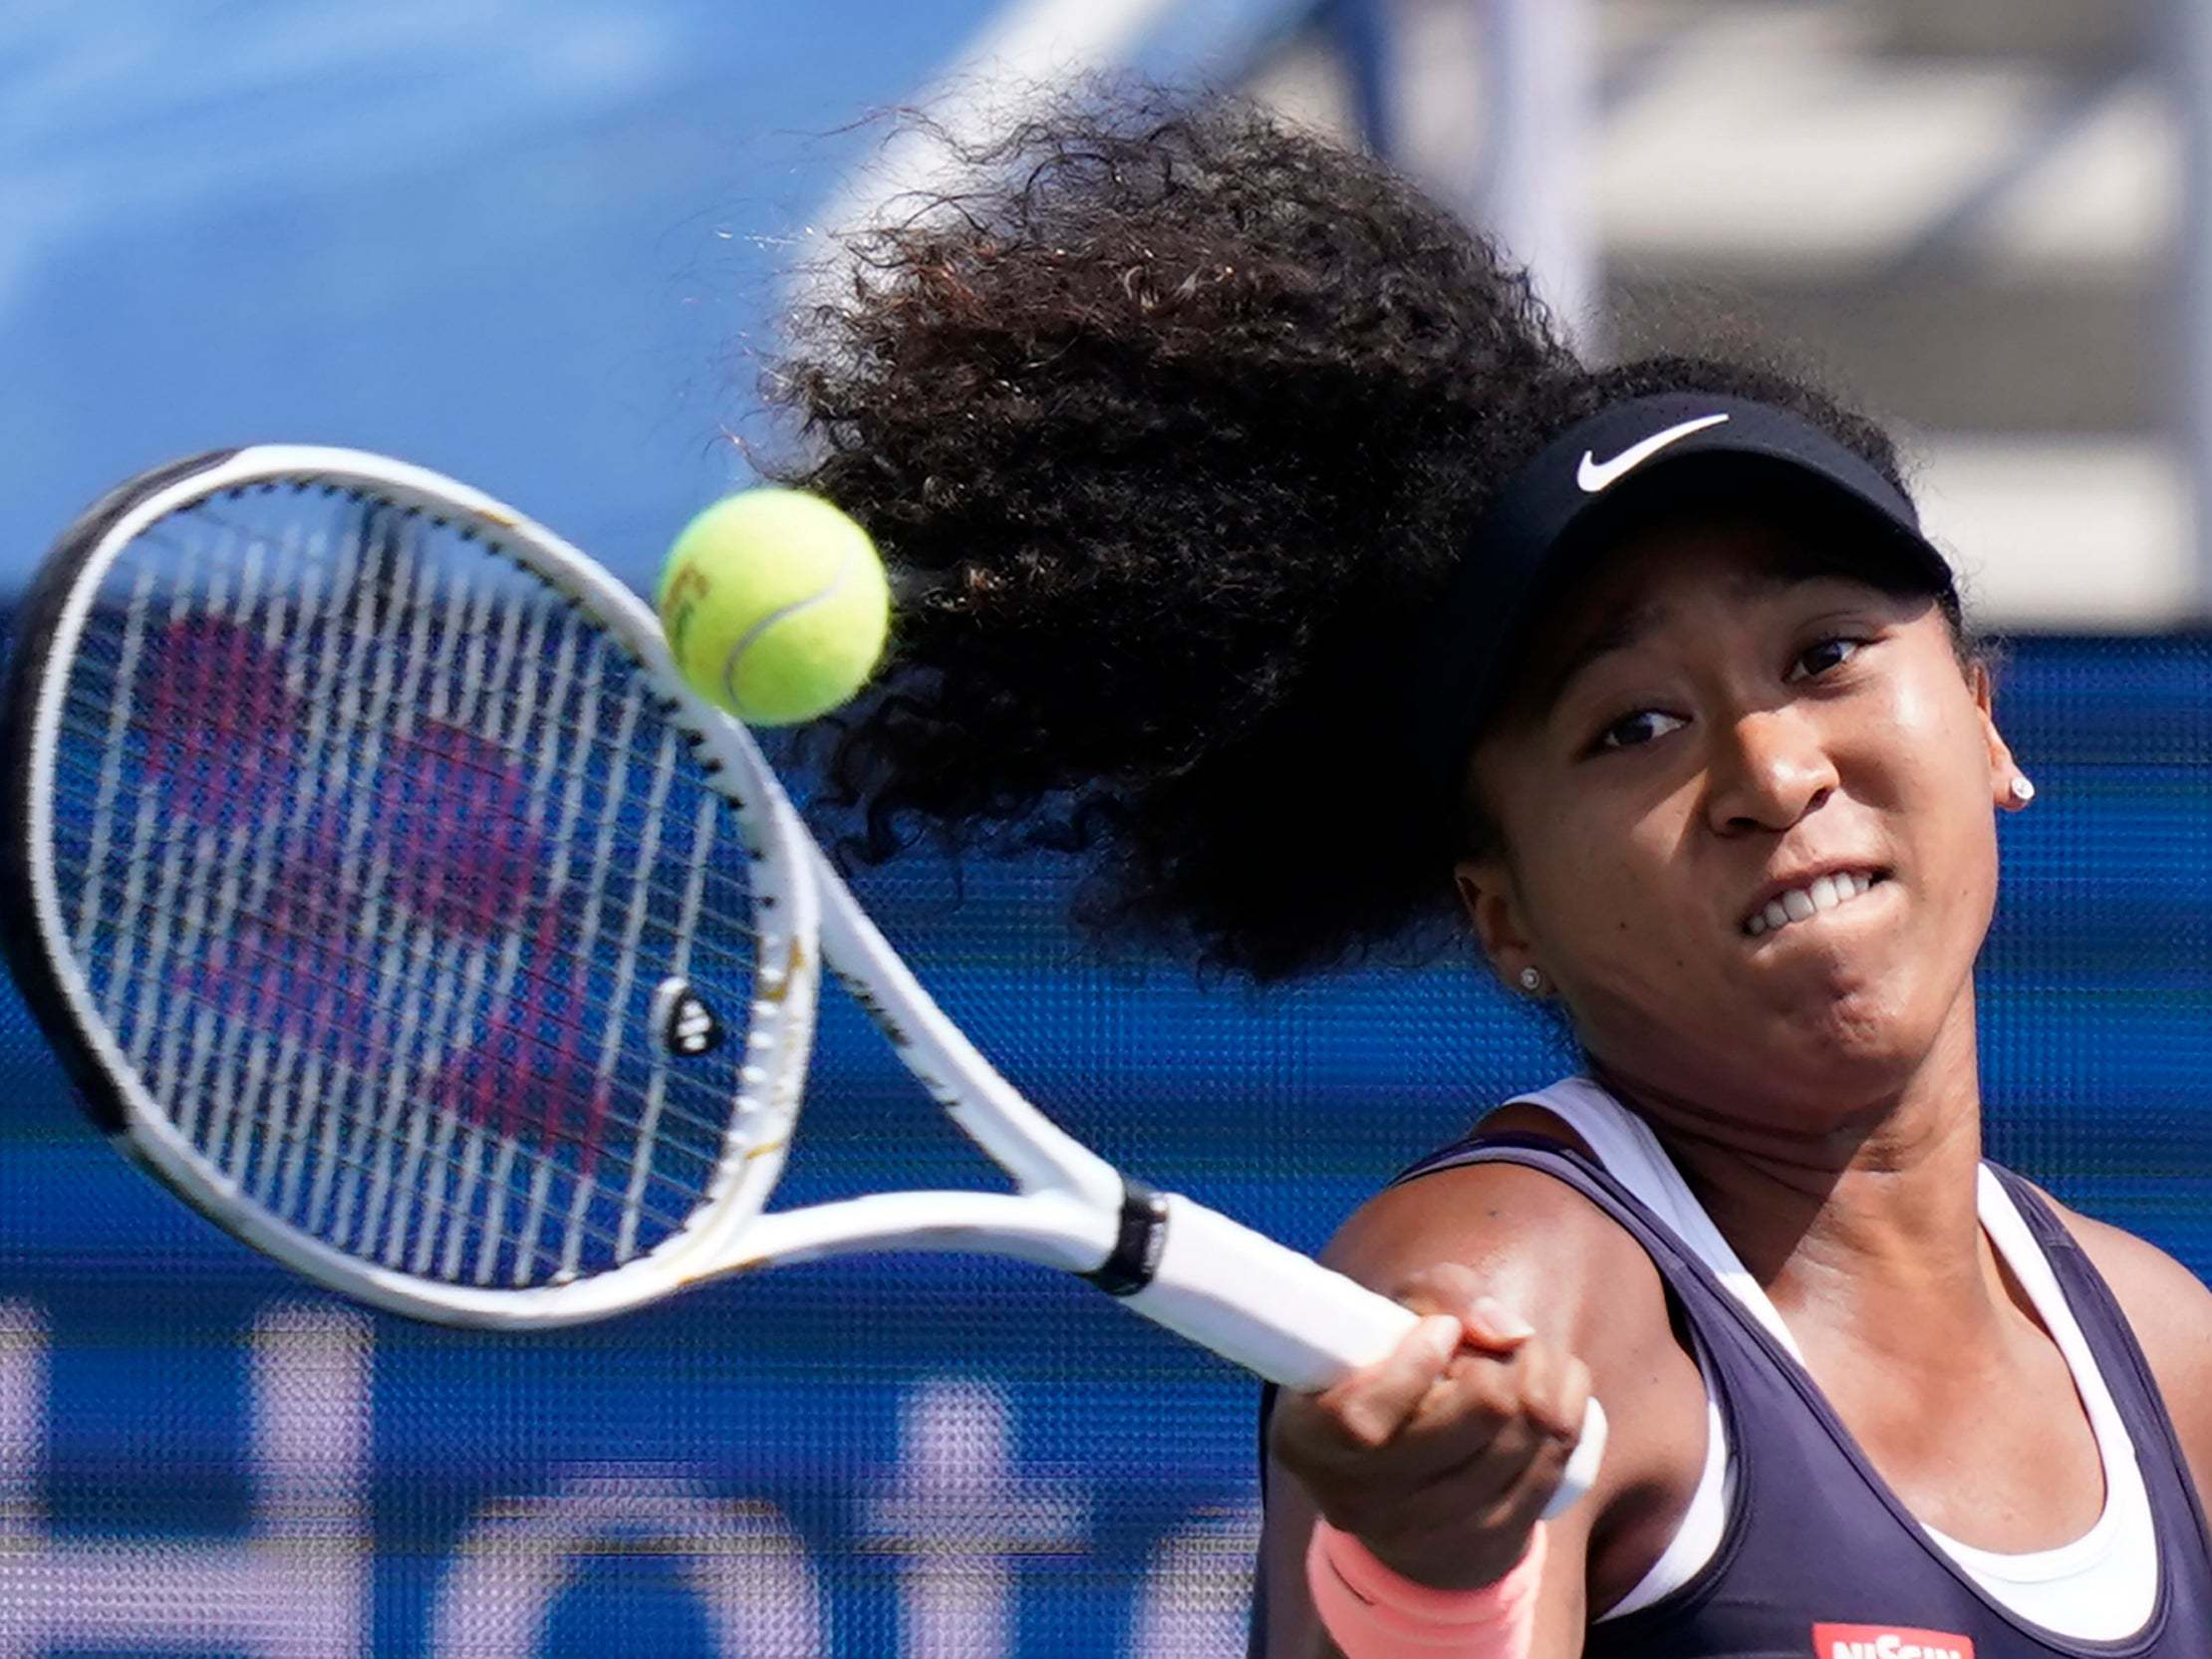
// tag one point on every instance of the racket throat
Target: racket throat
(1139, 1240)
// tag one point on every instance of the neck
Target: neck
(1868, 1218)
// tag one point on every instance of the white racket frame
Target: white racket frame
(1218, 1284)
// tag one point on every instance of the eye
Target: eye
(1633, 731)
(1824, 654)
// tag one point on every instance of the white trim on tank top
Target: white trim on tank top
(2102, 1587)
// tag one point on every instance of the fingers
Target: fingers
(1372, 1406)
(1541, 1396)
(1444, 1454)
(1435, 1403)
(1449, 1288)
(1349, 1426)
(1489, 1417)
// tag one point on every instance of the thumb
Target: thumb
(1492, 1327)
(1458, 1291)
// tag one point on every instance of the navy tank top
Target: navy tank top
(1819, 1560)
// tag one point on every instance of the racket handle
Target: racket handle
(1289, 1319)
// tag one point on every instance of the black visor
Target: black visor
(1546, 524)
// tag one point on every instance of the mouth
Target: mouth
(1834, 891)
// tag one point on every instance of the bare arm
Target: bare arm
(1594, 1299)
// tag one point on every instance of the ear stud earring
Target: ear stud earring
(1531, 981)
(2022, 791)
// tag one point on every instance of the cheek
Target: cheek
(1604, 896)
(1927, 768)
(1931, 739)
(1931, 717)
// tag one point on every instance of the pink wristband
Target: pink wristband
(1373, 1612)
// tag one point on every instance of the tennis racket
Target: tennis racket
(392, 900)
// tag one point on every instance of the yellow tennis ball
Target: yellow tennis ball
(775, 606)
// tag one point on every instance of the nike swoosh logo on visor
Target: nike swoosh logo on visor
(1594, 474)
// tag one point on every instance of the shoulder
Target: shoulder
(1535, 1237)
(2169, 1312)
(1552, 1255)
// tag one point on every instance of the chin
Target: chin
(1823, 1039)
(1853, 1054)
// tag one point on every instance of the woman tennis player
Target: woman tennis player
(1272, 549)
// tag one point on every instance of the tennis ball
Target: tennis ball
(775, 606)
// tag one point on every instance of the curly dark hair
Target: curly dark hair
(1172, 420)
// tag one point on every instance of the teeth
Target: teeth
(1823, 893)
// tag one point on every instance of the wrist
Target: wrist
(1373, 1611)
(1458, 1566)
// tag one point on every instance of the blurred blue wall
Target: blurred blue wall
(533, 243)
(527, 243)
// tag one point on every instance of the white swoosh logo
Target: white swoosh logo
(1594, 474)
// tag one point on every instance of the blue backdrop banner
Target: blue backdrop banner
(932, 1457)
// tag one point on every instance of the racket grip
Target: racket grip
(1289, 1319)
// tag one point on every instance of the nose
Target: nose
(1769, 770)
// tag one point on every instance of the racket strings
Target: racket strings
(332, 991)
(433, 1207)
(561, 682)
(730, 924)
(562, 679)
(221, 1147)
(233, 1127)
(294, 913)
(560, 675)
(369, 837)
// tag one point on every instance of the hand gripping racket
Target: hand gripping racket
(391, 898)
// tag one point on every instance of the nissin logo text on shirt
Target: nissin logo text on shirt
(1886, 1641)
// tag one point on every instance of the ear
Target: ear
(1491, 901)
(2003, 768)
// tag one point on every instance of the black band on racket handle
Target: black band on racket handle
(1137, 1247)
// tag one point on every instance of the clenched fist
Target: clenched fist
(1441, 1457)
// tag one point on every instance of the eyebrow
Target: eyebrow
(1624, 632)
(1617, 634)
